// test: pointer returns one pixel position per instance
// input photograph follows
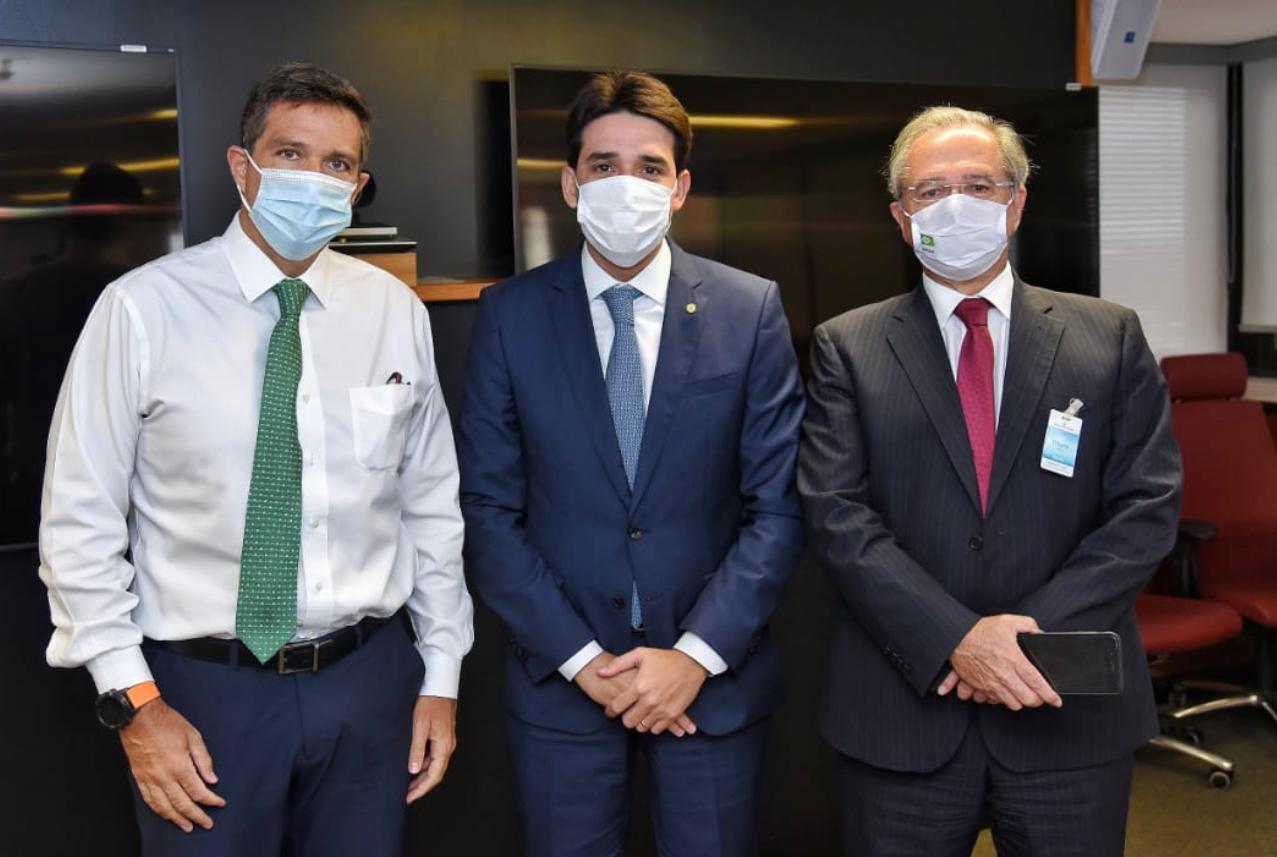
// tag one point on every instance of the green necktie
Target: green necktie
(266, 613)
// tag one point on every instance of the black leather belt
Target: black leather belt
(307, 656)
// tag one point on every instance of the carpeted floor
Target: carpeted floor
(1174, 813)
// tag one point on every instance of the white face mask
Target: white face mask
(960, 237)
(623, 217)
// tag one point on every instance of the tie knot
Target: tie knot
(292, 294)
(974, 312)
(620, 303)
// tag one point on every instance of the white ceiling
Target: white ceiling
(1215, 22)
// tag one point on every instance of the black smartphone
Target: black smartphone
(1081, 663)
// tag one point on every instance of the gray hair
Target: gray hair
(1010, 144)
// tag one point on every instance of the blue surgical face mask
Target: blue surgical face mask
(298, 211)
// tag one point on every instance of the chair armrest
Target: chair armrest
(1191, 534)
(1197, 531)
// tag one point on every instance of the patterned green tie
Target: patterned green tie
(266, 613)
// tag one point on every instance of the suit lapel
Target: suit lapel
(680, 333)
(916, 341)
(1035, 338)
(579, 352)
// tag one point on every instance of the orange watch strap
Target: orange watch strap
(141, 694)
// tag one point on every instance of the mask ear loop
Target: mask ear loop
(243, 198)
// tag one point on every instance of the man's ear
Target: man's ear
(237, 161)
(1015, 210)
(567, 184)
(902, 221)
(682, 187)
(360, 184)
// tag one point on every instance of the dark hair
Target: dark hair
(632, 92)
(302, 83)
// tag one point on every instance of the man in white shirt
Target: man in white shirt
(251, 476)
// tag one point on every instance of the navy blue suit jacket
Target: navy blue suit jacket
(712, 528)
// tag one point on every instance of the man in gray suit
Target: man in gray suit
(982, 458)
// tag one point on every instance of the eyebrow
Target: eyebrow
(601, 156)
(964, 176)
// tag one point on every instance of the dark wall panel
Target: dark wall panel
(434, 74)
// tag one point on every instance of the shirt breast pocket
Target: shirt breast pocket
(379, 424)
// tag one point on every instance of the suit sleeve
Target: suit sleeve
(745, 589)
(1140, 505)
(509, 574)
(903, 608)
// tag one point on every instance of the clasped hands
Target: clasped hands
(989, 667)
(649, 689)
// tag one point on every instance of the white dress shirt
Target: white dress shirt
(649, 316)
(151, 453)
(945, 300)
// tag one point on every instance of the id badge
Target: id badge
(1063, 434)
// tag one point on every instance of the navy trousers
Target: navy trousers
(312, 764)
(1069, 813)
(574, 790)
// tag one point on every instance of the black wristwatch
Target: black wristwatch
(117, 708)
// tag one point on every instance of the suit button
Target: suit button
(618, 601)
(635, 534)
(976, 543)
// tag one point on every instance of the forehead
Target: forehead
(322, 126)
(627, 133)
(965, 148)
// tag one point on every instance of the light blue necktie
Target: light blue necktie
(625, 393)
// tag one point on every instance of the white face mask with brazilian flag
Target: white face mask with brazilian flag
(960, 237)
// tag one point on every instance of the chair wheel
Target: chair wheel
(1221, 780)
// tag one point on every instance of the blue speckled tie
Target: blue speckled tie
(266, 612)
(625, 393)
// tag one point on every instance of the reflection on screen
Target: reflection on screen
(89, 188)
(787, 182)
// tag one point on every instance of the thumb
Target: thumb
(627, 661)
(1026, 625)
(949, 683)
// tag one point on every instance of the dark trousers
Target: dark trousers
(312, 764)
(574, 790)
(1070, 813)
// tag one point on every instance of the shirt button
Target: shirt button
(310, 461)
(314, 523)
(976, 543)
(618, 601)
(319, 587)
(305, 398)
(635, 534)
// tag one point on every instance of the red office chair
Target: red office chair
(1170, 625)
(1230, 502)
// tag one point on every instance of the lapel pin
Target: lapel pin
(691, 309)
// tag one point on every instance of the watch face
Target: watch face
(114, 709)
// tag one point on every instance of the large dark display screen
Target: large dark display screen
(787, 182)
(89, 188)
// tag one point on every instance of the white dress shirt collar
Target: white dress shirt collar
(653, 281)
(257, 274)
(944, 300)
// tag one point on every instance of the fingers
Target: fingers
(200, 756)
(198, 792)
(622, 702)
(640, 716)
(186, 807)
(160, 805)
(965, 691)
(417, 749)
(1037, 683)
(627, 661)
(685, 723)
(949, 683)
(437, 765)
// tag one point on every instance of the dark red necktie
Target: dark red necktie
(975, 389)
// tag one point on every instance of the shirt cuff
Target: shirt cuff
(699, 650)
(119, 669)
(443, 675)
(577, 662)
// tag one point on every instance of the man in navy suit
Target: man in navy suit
(628, 442)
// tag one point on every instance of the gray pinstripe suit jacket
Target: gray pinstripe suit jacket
(889, 489)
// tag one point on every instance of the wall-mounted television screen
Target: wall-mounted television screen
(787, 182)
(89, 188)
